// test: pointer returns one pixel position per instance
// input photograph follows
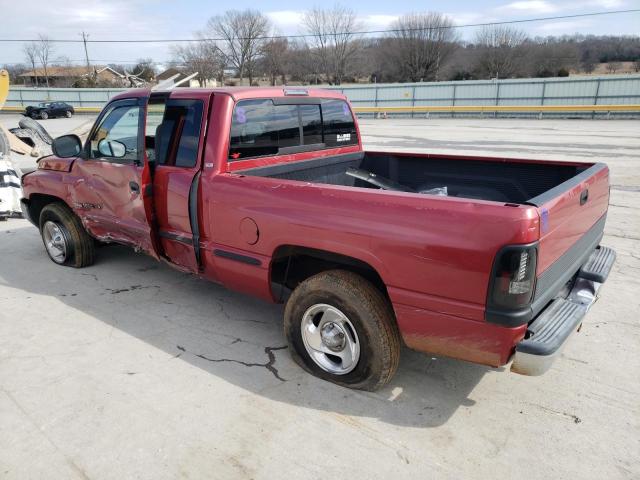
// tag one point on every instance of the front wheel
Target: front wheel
(44, 115)
(68, 114)
(342, 329)
(65, 239)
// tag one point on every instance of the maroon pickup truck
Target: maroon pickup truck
(268, 191)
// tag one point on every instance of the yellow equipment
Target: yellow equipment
(4, 86)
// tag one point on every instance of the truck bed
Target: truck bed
(500, 180)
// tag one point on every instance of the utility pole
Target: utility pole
(86, 53)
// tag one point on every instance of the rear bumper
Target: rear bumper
(550, 331)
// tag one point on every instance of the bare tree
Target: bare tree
(203, 57)
(334, 41)
(275, 59)
(420, 44)
(613, 67)
(44, 51)
(30, 51)
(302, 65)
(500, 49)
(549, 59)
(243, 35)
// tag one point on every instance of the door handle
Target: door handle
(134, 187)
(584, 196)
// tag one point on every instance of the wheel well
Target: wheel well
(291, 265)
(37, 202)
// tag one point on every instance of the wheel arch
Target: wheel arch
(292, 264)
(37, 201)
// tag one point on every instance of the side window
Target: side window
(155, 114)
(177, 137)
(117, 134)
(339, 127)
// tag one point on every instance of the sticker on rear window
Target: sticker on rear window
(343, 137)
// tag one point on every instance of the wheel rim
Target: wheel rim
(68, 114)
(330, 339)
(55, 241)
(45, 116)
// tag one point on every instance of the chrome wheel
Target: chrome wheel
(330, 339)
(54, 241)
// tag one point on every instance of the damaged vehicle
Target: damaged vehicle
(269, 191)
(49, 110)
(10, 190)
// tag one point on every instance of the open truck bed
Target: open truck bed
(566, 200)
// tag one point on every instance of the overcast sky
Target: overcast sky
(152, 19)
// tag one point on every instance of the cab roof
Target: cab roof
(241, 93)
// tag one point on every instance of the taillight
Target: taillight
(514, 277)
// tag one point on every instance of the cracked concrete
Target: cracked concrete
(269, 365)
(93, 385)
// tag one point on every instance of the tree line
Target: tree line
(417, 47)
(243, 47)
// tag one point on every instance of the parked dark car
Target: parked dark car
(50, 110)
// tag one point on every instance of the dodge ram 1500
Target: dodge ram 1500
(269, 191)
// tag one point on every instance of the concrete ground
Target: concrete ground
(128, 369)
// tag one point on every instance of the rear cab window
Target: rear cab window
(260, 127)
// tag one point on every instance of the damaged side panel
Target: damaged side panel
(105, 197)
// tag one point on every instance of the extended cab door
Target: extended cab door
(175, 129)
(112, 178)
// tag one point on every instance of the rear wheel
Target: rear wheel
(44, 115)
(342, 329)
(65, 239)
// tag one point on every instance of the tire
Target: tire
(59, 225)
(44, 115)
(68, 114)
(30, 124)
(368, 323)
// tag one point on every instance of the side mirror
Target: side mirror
(112, 148)
(67, 146)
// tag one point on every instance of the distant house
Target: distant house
(181, 74)
(70, 76)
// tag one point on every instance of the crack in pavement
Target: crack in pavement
(130, 289)
(268, 365)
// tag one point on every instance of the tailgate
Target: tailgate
(572, 217)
